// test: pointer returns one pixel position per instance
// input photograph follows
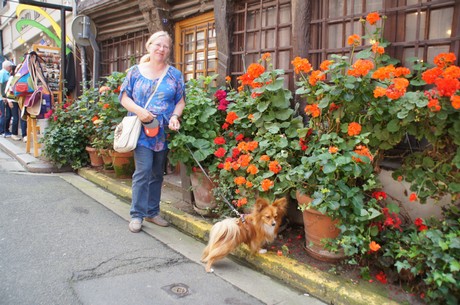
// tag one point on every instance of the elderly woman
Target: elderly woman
(165, 106)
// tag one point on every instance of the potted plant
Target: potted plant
(200, 127)
(260, 131)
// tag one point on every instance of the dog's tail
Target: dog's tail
(223, 238)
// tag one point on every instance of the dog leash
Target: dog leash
(209, 178)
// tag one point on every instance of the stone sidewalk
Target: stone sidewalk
(325, 286)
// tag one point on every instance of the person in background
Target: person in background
(4, 108)
(166, 106)
(15, 111)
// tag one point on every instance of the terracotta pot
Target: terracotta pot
(94, 156)
(106, 158)
(123, 164)
(318, 226)
(202, 189)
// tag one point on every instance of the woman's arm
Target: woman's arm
(174, 123)
(143, 114)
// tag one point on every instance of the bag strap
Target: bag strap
(158, 85)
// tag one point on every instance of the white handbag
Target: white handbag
(128, 131)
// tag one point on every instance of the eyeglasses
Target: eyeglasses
(159, 45)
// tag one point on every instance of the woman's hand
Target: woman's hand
(145, 116)
(174, 123)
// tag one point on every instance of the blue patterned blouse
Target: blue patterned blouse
(169, 93)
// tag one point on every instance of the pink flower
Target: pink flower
(220, 94)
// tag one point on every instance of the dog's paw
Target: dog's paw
(262, 251)
(210, 271)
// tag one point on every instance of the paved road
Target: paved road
(63, 240)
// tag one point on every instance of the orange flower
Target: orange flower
(361, 68)
(400, 83)
(377, 49)
(333, 149)
(94, 118)
(413, 197)
(228, 79)
(244, 160)
(372, 18)
(103, 89)
(325, 65)
(252, 169)
(451, 72)
(235, 166)
(315, 77)
(363, 151)
(354, 40)
(400, 178)
(379, 92)
(274, 166)
(227, 166)
(455, 100)
(401, 71)
(105, 106)
(242, 146)
(266, 56)
(265, 158)
(266, 184)
(231, 117)
(255, 70)
(430, 75)
(383, 73)
(313, 110)
(444, 60)
(241, 202)
(447, 87)
(249, 184)
(373, 246)
(239, 180)
(250, 116)
(433, 105)
(251, 146)
(301, 65)
(354, 129)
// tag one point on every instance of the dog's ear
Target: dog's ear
(280, 204)
(261, 203)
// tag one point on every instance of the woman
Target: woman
(166, 106)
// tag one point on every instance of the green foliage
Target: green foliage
(200, 125)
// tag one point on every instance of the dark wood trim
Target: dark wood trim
(223, 10)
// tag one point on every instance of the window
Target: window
(196, 46)
(262, 26)
(120, 53)
(418, 28)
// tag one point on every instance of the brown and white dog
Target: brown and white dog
(260, 227)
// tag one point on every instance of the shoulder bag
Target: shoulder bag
(128, 131)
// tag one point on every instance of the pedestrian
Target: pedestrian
(15, 111)
(166, 106)
(4, 108)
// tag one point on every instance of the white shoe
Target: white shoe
(24, 139)
(15, 137)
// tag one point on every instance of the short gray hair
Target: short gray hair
(7, 64)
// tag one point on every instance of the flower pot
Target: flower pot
(107, 159)
(94, 156)
(123, 164)
(202, 189)
(318, 226)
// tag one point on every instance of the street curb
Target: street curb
(325, 286)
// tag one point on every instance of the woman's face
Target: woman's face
(160, 49)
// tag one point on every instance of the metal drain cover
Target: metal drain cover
(178, 290)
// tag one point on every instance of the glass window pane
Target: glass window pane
(284, 37)
(269, 16)
(373, 5)
(285, 14)
(211, 64)
(411, 26)
(252, 41)
(335, 36)
(441, 23)
(284, 60)
(336, 8)
(268, 39)
(253, 20)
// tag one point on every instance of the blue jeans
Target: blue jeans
(5, 117)
(147, 182)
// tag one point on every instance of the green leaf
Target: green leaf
(329, 168)
(393, 125)
(262, 106)
(276, 85)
